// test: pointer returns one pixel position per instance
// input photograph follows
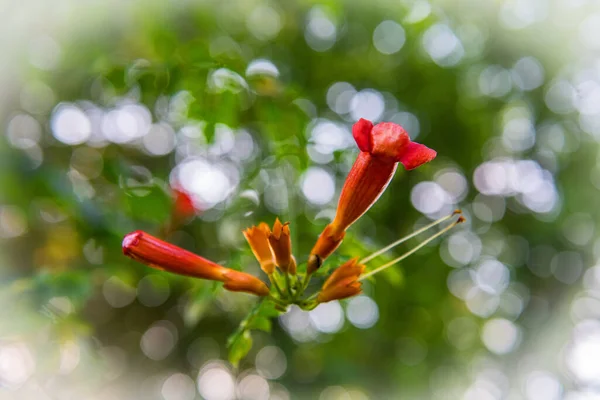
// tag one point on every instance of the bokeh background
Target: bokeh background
(106, 106)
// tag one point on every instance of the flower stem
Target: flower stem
(305, 280)
(288, 284)
(277, 301)
(312, 297)
(410, 252)
(405, 238)
(275, 284)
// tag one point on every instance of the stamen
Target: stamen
(405, 238)
(460, 220)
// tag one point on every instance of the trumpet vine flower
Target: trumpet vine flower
(343, 282)
(158, 254)
(382, 147)
(258, 239)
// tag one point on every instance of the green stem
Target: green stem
(275, 284)
(277, 301)
(288, 284)
(310, 303)
(298, 285)
(312, 297)
(245, 322)
(305, 282)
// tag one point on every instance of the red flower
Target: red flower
(182, 210)
(156, 253)
(382, 147)
(184, 205)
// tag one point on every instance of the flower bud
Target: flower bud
(343, 282)
(258, 239)
(281, 244)
(159, 254)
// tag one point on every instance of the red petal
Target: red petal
(388, 140)
(416, 154)
(366, 181)
(184, 205)
(362, 134)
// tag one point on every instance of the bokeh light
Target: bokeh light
(248, 109)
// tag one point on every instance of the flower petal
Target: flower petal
(345, 288)
(416, 154)
(258, 239)
(389, 140)
(365, 182)
(361, 131)
(350, 268)
(281, 245)
(184, 205)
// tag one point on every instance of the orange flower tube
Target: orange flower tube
(343, 282)
(159, 254)
(281, 244)
(236, 281)
(258, 239)
(382, 147)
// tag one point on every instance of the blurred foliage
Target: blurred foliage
(66, 207)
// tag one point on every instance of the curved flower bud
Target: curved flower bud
(382, 147)
(343, 282)
(159, 254)
(281, 244)
(258, 239)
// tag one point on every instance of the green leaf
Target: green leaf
(267, 309)
(149, 203)
(394, 275)
(259, 318)
(262, 317)
(260, 323)
(331, 263)
(239, 347)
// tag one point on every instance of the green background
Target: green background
(517, 151)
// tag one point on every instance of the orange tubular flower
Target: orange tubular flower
(258, 239)
(282, 247)
(343, 282)
(382, 146)
(156, 253)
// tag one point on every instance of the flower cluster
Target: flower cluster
(382, 147)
